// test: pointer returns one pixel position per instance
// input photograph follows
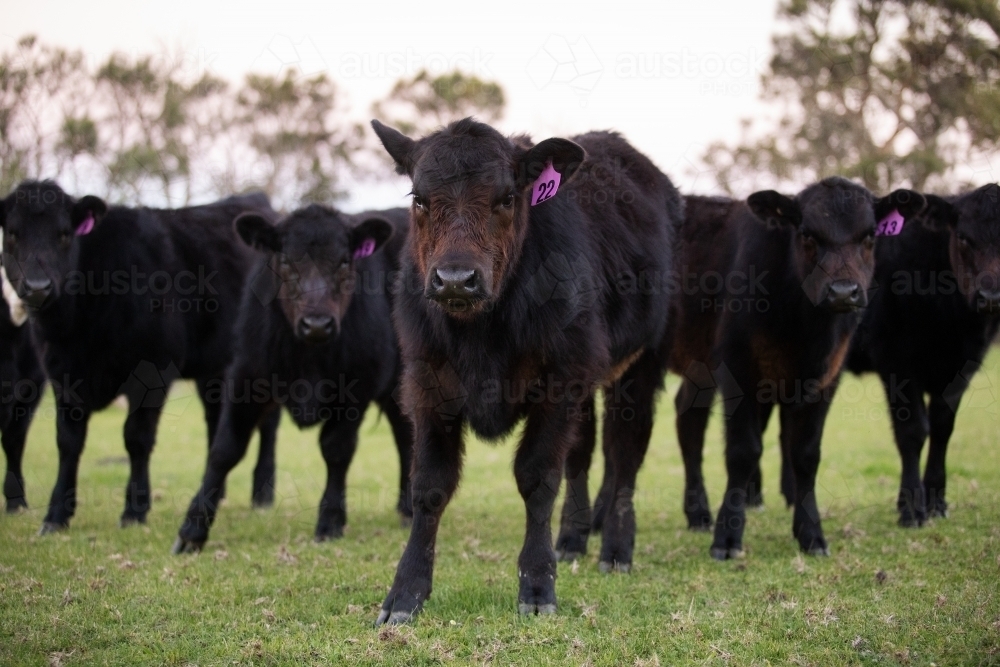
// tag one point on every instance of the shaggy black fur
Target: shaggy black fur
(515, 312)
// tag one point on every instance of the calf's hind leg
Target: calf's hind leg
(628, 424)
(13, 446)
(574, 526)
(910, 426)
(693, 407)
(338, 441)
(140, 436)
(942, 423)
(402, 431)
(265, 472)
(550, 431)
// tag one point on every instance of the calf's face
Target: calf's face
(471, 192)
(42, 229)
(311, 264)
(834, 224)
(973, 223)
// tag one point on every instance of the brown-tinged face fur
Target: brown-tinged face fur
(312, 265)
(473, 224)
(826, 263)
(471, 191)
(974, 246)
(313, 291)
(834, 246)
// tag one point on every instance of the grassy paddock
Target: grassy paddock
(263, 593)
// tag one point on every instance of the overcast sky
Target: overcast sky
(671, 76)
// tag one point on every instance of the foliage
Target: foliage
(149, 129)
(889, 92)
(420, 105)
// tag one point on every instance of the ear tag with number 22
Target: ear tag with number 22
(546, 186)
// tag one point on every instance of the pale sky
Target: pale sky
(671, 76)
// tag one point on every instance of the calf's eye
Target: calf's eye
(420, 203)
(508, 201)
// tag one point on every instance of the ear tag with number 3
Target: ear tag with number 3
(546, 186)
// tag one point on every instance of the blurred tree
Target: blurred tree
(889, 92)
(158, 125)
(424, 103)
(300, 147)
(39, 86)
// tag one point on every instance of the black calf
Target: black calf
(124, 301)
(528, 262)
(315, 336)
(929, 325)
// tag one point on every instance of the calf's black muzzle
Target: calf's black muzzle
(456, 287)
(316, 328)
(845, 296)
(36, 292)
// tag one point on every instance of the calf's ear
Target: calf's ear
(908, 202)
(397, 145)
(369, 236)
(86, 213)
(257, 232)
(564, 155)
(775, 208)
(939, 214)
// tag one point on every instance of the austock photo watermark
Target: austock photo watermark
(572, 63)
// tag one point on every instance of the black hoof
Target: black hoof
(938, 510)
(722, 553)
(394, 618)
(50, 527)
(532, 609)
(569, 556)
(817, 551)
(327, 534)
(699, 520)
(15, 505)
(182, 546)
(608, 567)
(127, 521)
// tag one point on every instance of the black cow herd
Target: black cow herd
(523, 278)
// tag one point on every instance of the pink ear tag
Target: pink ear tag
(546, 186)
(366, 248)
(86, 226)
(890, 225)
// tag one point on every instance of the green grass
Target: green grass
(262, 593)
